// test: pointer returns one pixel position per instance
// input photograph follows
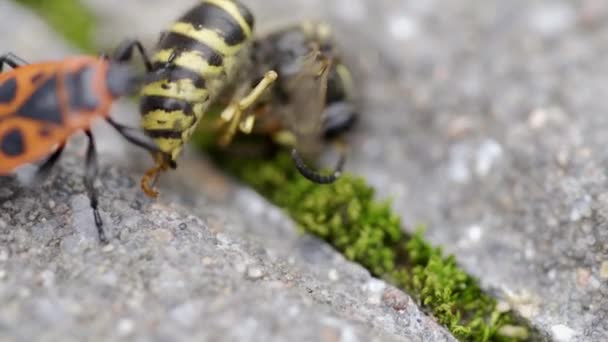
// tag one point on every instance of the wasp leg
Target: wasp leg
(134, 136)
(314, 176)
(11, 60)
(90, 175)
(232, 115)
(124, 53)
(45, 169)
(151, 176)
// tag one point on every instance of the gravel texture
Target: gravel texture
(208, 261)
(485, 120)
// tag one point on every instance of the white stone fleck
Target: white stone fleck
(255, 273)
(474, 233)
(458, 168)
(333, 275)
(581, 209)
(4, 254)
(402, 27)
(375, 287)
(538, 119)
(125, 327)
(48, 278)
(293, 311)
(108, 248)
(488, 154)
(348, 335)
(562, 333)
(553, 19)
(184, 314)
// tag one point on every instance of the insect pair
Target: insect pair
(208, 55)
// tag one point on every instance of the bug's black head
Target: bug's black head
(122, 80)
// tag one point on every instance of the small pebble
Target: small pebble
(255, 273)
(395, 298)
(604, 270)
(562, 333)
(163, 235)
(333, 275)
(207, 261)
(582, 277)
(108, 248)
(402, 27)
(125, 327)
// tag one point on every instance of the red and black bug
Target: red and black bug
(43, 104)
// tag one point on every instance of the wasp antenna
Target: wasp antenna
(313, 175)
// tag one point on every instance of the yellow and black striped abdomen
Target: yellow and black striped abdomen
(196, 59)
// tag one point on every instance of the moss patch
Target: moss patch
(69, 18)
(346, 215)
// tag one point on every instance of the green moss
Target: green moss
(69, 18)
(346, 215)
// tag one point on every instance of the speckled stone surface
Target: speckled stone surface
(485, 120)
(209, 261)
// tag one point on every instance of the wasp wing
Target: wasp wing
(307, 89)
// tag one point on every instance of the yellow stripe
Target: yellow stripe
(206, 36)
(175, 120)
(191, 60)
(181, 89)
(231, 8)
(173, 146)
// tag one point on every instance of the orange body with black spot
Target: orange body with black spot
(42, 105)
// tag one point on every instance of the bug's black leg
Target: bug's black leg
(12, 60)
(134, 136)
(124, 52)
(89, 179)
(45, 169)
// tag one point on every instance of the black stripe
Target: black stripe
(173, 73)
(215, 18)
(152, 103)
(164, 133)
(43, 104)
(80, 87)
(182, 43)
(13, 143)
(246, 14)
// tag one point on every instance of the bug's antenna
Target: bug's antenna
(315, 176)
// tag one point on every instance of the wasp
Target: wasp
(312, 103)
(43, 104)
(195, 62)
